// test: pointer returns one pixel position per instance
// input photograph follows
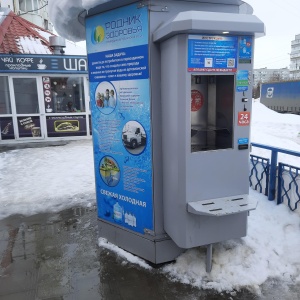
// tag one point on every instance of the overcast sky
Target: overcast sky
(282, 21)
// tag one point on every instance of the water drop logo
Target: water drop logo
(98, 35)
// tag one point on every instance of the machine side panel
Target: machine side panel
(173, 136)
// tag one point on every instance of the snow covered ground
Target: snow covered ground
(37, 180)
(274, 129)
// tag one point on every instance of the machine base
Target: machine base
(153, 249)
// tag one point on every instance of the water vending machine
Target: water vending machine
(170, 86)
(205, 138)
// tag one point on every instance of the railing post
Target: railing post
(272, 186)
(279, 198)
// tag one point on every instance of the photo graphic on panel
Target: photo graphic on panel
(134, 137)
(106, 97)
(109, 171)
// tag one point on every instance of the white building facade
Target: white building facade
(34, 11)
(264, 75)
(295, 58)
(267, 75)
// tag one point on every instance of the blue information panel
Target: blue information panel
(212, 53)
(245, 49)
(242, 80)
(117, 45)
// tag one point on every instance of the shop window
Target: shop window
(7, 128)
(22, 5)
(5, 107)
(26, 95)
(64, 94)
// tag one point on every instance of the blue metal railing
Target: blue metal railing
(264, 174)
(259, 173)
(288, 188)
(273, 168)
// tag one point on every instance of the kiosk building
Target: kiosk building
(37, 86)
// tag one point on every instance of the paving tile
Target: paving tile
(53, 279)
(87, 285)
(20, 276)
(27, 295)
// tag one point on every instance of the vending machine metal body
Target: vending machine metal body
(171, 122)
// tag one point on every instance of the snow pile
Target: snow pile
(274, 129)
(37, 180)
(124, 254)
(32, 45)
(269, 250)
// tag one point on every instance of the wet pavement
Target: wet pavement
(56, 256)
